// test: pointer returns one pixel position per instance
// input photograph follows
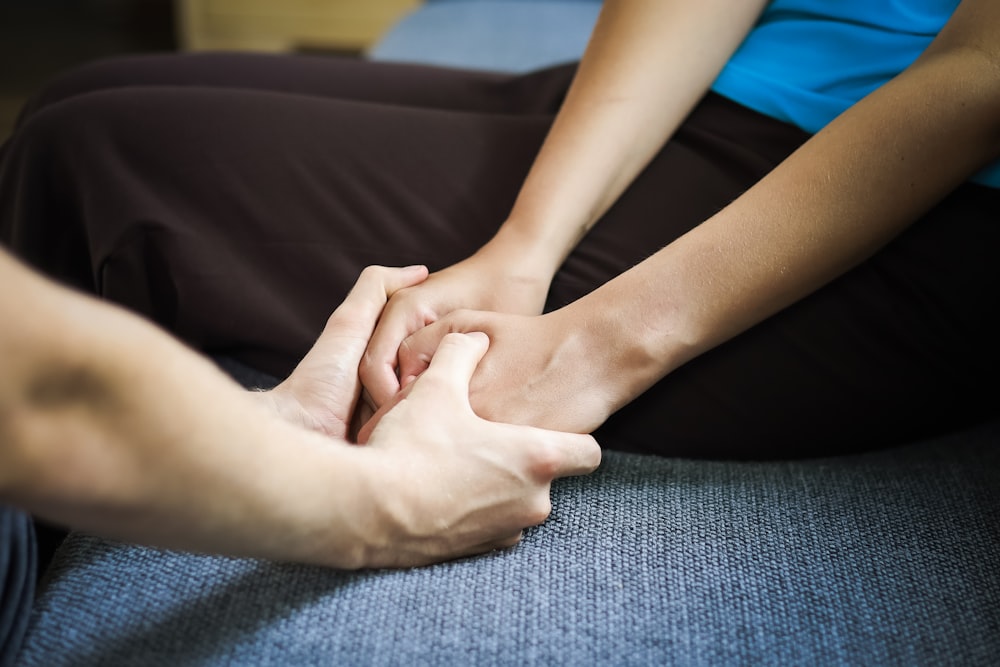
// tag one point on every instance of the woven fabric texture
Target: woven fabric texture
(885, 558)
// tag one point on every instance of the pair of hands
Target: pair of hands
(449, 483)
(540, 370)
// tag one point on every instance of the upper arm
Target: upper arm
(966, 54)
(974, 27)
(673, 41)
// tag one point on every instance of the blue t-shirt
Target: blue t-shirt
(807, 61)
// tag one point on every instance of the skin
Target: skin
(626, 100)
(109, 425)
(836, 201)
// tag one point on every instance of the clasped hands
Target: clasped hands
(450, 482)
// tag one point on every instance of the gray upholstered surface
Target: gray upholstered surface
(885, 558)
(499, 35)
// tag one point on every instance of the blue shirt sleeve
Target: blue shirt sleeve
(807, 61)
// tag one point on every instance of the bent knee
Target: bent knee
(93, 76)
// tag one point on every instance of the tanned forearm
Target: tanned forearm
(832, 204)
(647, 65)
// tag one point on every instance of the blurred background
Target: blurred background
(39, 38)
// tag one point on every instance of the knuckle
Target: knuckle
(538, 510)
(453, 338)
(366, 367)
(337, 317)
(435, 385)
(409, 352)
(373, 271)
(545, 461)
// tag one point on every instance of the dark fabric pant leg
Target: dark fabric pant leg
(239, 218)
(901, 347)
(341, 78)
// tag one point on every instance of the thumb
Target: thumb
(417, 349)
(364, 303)
(550, 455)
(447, 378)
(578, 454)
(455, 360)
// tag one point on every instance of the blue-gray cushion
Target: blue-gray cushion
(495, 35)
(884, 558)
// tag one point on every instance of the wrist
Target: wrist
(630, 349)
(528, 250)
(329, 517)
(510, 273)
(371, 513)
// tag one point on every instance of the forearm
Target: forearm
(828, 207)
(648, 63)
(112, 427)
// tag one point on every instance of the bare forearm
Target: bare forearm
(112, 427)
(647, 65)
(831, 205)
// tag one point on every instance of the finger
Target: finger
(456, 358)
(417, 349)
(403, 277)
(581, 454)
(363, 414)
(452, 366)
(367, 398)
(366, 430)
(374, 287)
(378, 365)
(554, 454)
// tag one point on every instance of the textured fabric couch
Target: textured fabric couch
(891, 557)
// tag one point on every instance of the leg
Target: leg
(340, 78)
(899, 348)
(238, 218)
(245, 248)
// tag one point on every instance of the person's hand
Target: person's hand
(322, 392)
(549, 371)
(446, 483)
(492, 280)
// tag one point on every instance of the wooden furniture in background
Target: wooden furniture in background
(285, 25)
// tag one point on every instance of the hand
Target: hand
(447, 484)
(322, 392)
(544, 371)
(489, 280)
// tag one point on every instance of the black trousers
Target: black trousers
(233, 199)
